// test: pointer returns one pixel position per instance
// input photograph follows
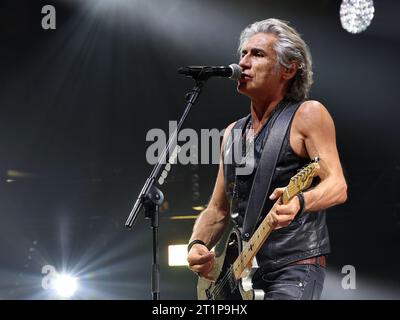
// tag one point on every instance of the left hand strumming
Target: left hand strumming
(281, 215)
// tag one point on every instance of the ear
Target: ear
(290, 72)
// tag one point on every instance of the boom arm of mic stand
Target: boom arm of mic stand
(144, 196)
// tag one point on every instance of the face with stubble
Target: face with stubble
(261, 71)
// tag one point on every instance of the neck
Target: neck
(261, 110)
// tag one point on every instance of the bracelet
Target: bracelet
(300, 195)
(192, 243)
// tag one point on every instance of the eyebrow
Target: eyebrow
(255, 50)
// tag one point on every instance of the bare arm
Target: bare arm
(212, 221)
(210, 224)
(315, 129)
(318, 129)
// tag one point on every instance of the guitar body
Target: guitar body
(226, 287)
(235, 261)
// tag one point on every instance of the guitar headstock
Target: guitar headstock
(302, 180)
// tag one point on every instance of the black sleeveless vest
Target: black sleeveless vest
(307, 236)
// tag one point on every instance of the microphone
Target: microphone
(233, 71)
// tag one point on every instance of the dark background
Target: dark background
(76, 104)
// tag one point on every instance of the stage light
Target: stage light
(177, 255)
(199, 208)
(356, 15)
(65, 285)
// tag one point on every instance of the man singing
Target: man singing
(276, 71)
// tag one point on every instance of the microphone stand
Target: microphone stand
(151, 197)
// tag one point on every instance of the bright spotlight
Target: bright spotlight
(65, 285)
(177, 255)
(356, 15)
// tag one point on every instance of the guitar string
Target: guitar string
(219, 287)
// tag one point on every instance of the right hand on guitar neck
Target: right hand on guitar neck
(201, 261)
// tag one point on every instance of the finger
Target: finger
(276, 193)
(271, 220)
(199, 259)
(280, 221)
(203, 269)
(205, 274)
(208, 267)
(284, 210)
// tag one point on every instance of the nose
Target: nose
(244, 62)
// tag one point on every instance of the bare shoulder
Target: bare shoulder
(312, 115)
(312, 110)
(228, 130)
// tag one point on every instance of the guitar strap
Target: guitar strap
(266, 167)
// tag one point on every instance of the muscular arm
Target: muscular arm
(210, 224)
(316, 126)
(313, 135)
(213, 220)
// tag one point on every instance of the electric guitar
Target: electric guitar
(235, 260)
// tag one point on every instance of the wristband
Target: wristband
(300, 196)
(192, 243)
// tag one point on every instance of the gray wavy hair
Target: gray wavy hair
(289, 47)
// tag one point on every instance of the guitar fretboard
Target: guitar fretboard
(299, 182)
(251, 248)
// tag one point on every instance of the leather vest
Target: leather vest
(307, 235)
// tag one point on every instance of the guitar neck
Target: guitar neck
(256, 241)
(299, 182)
(251, 248)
